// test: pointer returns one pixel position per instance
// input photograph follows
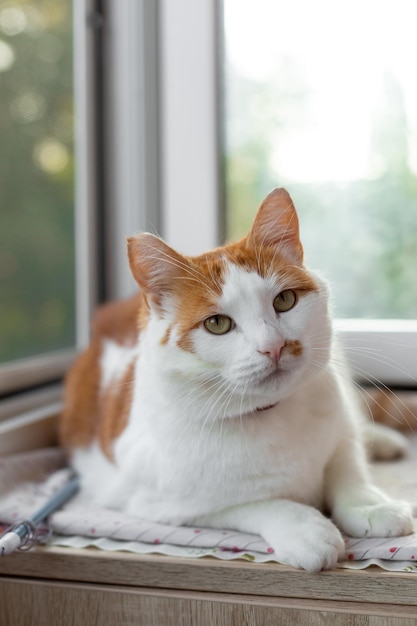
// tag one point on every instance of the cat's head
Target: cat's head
(247, 320)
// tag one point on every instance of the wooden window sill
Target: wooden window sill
(174, 587)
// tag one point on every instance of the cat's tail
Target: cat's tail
(391, 414)
(395, 409)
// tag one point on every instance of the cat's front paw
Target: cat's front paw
(388, 519)
(313, 545)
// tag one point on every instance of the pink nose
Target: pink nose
(273, 352)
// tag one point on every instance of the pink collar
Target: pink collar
(265, 408)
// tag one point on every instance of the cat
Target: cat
(217, 396)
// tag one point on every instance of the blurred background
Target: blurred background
(37, 264)
(321, 98)
(328, 112)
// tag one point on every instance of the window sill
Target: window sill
(34, 370)
(174, 587)
(29, 421)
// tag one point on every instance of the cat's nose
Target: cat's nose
(273, 352)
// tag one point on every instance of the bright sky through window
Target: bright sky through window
(343, 53)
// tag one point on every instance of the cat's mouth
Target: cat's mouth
(273, 376)
(275, 381)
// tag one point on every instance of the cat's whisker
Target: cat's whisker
(368, 400)
(387, 392)
(224, 410)
(212, 415)
(381, 358)
(405, 412)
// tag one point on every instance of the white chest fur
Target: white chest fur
(171, 470)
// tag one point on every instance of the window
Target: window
(37, 269)
(47, 248)
(190, 124)
(155, 149)
(328, 107)
(104, 180)
(270, 123)
(49, 222)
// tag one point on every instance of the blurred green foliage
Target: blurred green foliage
(361, 235)
(36, 178)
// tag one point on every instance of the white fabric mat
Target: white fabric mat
(28, 480)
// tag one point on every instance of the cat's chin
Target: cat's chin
(277, 376)
(264, 395)
(279, 381)
(274, 387)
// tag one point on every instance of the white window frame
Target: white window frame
(377, 350)
(132, 133)
(131, 185)
(190, 124)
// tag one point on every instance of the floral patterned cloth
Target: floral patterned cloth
(28, 480)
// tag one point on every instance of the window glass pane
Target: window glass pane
(36, 178)
(321, 97)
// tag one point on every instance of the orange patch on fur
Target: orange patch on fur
(166, 337)
(118, 320)
(77, 425)
(115, 404)
(294, 347)
(85, 413)
(195, 300)
(270, 262)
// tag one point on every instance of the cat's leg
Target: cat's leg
(358, 507)
(299, 534)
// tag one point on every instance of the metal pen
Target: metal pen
(23, 535)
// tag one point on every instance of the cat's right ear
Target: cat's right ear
(155, 266)
(276, 224)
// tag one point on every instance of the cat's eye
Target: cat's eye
(218, 324)
(285, 300)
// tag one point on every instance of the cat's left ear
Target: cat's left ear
(276, 224)
(155, 266)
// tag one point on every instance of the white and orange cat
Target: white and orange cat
(216, 397)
